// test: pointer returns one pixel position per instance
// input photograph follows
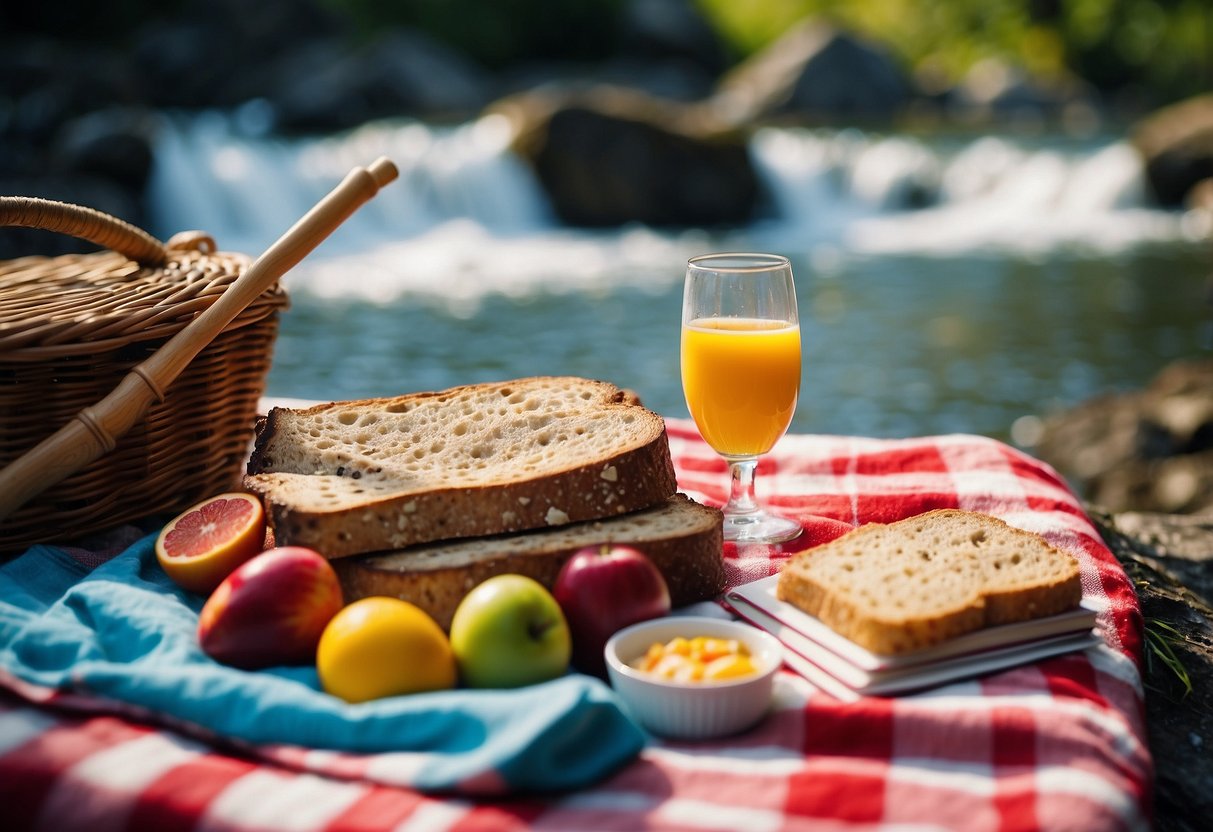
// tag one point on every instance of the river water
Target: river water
(946, 283)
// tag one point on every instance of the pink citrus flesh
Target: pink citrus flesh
(205, 544)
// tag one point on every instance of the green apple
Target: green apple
(508, 632)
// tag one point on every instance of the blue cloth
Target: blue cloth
(125, 632)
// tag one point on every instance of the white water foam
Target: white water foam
(468, 218)
(991, 195)
(248, 190)
(460, 261)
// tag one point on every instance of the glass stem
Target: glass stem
(741, 494)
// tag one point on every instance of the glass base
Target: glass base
(759, 527)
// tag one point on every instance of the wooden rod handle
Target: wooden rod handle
(96, 430)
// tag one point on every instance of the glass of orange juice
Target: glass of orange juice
(741, 373)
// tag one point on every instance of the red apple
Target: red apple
(271, 610)
(603, 589)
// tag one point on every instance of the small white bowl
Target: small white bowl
(693, 710)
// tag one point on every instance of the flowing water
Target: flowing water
(946, 284)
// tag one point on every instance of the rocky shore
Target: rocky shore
(1144, 460)
(1158, 551)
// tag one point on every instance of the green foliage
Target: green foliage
(1161, 639)
(1163, 46)
(498, 32)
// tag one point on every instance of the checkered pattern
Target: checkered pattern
(1054, 745)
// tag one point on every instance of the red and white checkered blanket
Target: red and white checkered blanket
(1059, 744)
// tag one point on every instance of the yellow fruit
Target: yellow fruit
(680, 646)
(380, 647)
(729, 667)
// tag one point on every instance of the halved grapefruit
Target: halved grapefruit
(203, 545)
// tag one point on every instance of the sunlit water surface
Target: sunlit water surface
(1035, 278)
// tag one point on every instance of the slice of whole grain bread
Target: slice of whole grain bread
(898, 587)
(363, 476)
(683, 539)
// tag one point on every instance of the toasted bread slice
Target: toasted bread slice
(683, 539)
(364, 476)
(898, 587)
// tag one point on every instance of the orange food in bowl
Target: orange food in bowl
(713, 707)
(697, 659)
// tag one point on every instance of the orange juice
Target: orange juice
(741, 377)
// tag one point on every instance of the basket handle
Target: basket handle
(95, 430)
(86, 224)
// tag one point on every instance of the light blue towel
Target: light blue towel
(124, 632)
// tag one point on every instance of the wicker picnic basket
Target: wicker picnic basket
(71, 328)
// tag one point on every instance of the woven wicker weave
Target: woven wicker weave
(71, 328)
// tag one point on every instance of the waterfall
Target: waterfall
(246, 190)
(896, 195)
(468, 217)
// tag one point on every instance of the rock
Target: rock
(1170, 560)
(1200, 198)
(664, 48)
(1180, 544)
(609, 156)
(1176, 145)
(68, 132)
(814, 73)
(44, 82)
(993, 90)
(672, 79)
(1140, 456)
(178, 60)
(403, 73)
(667, 49)
(201, 56)
(1150, 450)
(111, 144)
(664, 31)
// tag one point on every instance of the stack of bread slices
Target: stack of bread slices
(895, 588)
(425, 495)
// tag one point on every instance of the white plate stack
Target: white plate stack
(845, 670)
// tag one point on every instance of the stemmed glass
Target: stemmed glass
(741, 373)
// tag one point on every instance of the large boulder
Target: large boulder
(1169, 558)
(1176, 144)
(1141, 456)
(662, 30)
(608, 156)
(204, 54)
(69, 132)
(998, 91)
(815, 73)
(322, 86)
(1148, 450)
(44, 82)
(668, 48)
(114, 144)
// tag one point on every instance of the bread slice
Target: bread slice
(683, 539)
(903, 586)
(364, 476)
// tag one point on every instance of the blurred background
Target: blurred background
(994, 208)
